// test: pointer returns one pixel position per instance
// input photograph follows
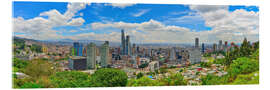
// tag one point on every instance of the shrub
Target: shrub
(174, 79)
(243, 65)
(211, 79)
(70, 79)
(139, 75)
(19, 65)
(252, 78)
(31, 85)
(205, 64)
(144, 81)
(108, 77)
(39, 68)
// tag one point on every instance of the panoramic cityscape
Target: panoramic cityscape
(71, 45)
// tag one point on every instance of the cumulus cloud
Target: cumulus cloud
(119, 5)
(41, 28)
(228, 25)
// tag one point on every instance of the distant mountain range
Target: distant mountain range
(98, 43)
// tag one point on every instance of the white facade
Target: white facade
(194, 56)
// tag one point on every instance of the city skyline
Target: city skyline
(144, 23)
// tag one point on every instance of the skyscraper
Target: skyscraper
(104, 55)
(133, 49)
(123, 42)
(127, 47)
(91, 56)
(214, 47)
(172, 54)
(203, 48)
(78, 48)
(196, 42)
(220, 45)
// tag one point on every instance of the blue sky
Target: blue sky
(103, 13)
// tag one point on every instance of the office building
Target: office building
(154, 65)
(128, 46)
(194, 56)
(91, 56)
(78, 48)
(104, 55)
(220, 45)
(123, 42)
(196, 42)
(214, 47)
(203, 48)
(172, 54)
(77, 63)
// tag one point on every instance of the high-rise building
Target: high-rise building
(214, 47)
(84, 51)
(196, 42)
(104, 55)
(172, 54)
(220, 45)
(123, 42)
(194, 56)
(203, 48)
(91, 56)
(78, 48)
(133, 49)
(127, 47)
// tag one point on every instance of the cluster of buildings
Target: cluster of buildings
(131, 55)
(90, 56)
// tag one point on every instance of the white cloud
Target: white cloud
(76, 22)
(141, 12)
(41, 28)
(228, 25)
(119, 5)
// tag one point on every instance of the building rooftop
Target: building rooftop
(77, 57)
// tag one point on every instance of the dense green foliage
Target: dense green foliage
(36, 48)
(108, 77)
(70, 79)
(139, 75)
(243, 65)
(19, 65)
(211, 79)
(39, 68)
(205, 64)
(174, 79)
(31, 85)
(144, 81)
(20, 43)
(143, 65)
(252, 78)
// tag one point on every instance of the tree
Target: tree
(143, 65)
(19, 65)
(68, 79)
(243, 65)
(39, 68)
(144, 81)
(108, 77)
(211, 79)
(245, 49)
(174, 79)
(139, 75)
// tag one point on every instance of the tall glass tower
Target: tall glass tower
(123, 40)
